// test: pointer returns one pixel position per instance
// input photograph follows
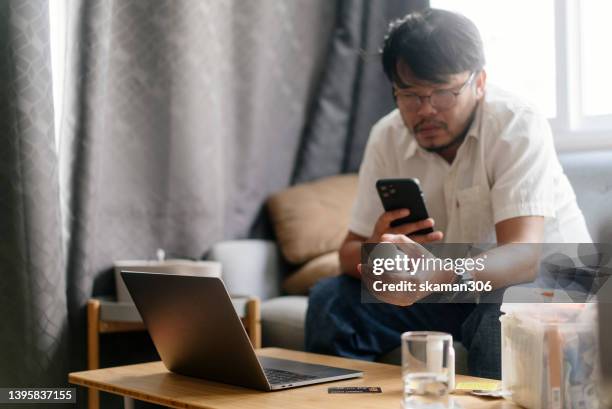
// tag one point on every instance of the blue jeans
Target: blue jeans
(338, 323)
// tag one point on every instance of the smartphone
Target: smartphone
(404, 194)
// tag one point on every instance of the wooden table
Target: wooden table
(152, 382)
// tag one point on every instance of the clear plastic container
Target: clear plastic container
(549, 355)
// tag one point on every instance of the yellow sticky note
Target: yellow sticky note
(483, 386)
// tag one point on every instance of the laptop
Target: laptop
(197, 332)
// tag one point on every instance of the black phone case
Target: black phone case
(403, 194)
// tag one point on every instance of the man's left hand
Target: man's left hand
(402, 298)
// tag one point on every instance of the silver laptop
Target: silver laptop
(197, 332)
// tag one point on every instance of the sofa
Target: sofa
(256, 267)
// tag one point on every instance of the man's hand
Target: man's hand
(401, 298)
(350, 251)
(413, 250)
(383, 226)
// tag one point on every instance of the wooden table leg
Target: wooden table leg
(128, 403)
(93, 348)
(253, 322)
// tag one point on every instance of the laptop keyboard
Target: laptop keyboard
(278, 376)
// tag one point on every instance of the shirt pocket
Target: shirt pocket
(475, 215)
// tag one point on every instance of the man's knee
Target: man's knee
(328, 304)
(482, 337)
(342, 286)
(339, 323)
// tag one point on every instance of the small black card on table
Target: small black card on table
(354, 389)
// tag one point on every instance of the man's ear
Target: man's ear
(481, 81)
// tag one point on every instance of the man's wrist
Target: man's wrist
(445, 276)
(373, 239)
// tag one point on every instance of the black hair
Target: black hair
(434, 44)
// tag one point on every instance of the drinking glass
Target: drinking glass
(428, 365)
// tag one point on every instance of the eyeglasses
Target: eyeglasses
(440, 99)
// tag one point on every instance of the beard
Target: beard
(452, 143)
(455, 140)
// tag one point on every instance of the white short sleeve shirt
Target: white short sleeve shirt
(506, 167)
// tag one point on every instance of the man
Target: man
(489, 173)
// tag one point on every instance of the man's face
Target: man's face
(434, 128)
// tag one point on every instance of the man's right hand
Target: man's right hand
(383, 226)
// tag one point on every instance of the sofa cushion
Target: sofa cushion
(282, 322)
(311, 219)
(249, 267)
(327, 265)
(590, 174)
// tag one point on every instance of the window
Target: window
(552, 53)
(596, 62)
(57, 29)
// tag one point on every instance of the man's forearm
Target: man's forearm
(517, 257)
(350, 257)
(510, 264)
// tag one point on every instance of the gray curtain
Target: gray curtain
(32, 285)
(180, 118)
(354, 92)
